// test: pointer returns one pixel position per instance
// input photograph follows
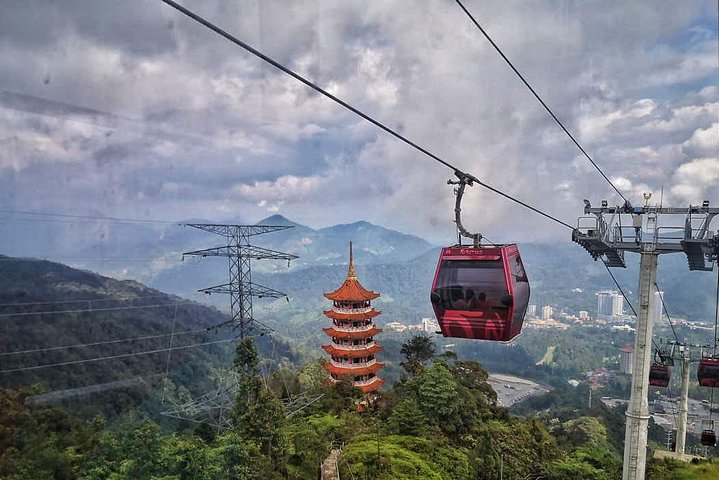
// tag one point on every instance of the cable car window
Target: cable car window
(520, 288)
(472, 285)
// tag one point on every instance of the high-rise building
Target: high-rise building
(626, 358)
(353, 348)
(547, 312)
(617, 304)
(658, 307)
(605, 305)
(532, 310)
(609, 303)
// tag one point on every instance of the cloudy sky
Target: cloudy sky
(129, 109)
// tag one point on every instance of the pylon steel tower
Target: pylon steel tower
(239, 252)
(213, 407)
(608, 240)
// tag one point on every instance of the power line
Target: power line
(87, 300)
(349, 107)
(112, 357)
(536, 95)
(105, 342)
(109, 309)
(88, 217)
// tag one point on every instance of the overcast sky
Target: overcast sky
(130, 109)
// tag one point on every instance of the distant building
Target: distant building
(618, 305)
(626, 359)
(658, 307)
(532, 310)
(604, 303)
(609, 304)
(583, 315)
(547, 312)
(430, 325)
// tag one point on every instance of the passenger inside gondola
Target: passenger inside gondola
(460, 280)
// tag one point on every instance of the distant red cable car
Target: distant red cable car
(709, 438)
(708, 372)
(480, 292)
(659, 375)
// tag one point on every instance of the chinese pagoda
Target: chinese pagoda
(352, 332)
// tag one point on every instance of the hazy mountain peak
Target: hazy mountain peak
(278, 219)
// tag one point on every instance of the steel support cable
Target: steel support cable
(95, 344)
(169, 352)
(113, 357)
(673, 402)
(536, 95)
(666, 312)
(352, 109)
(103, 309)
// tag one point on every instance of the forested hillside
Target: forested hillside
(73, 320)
(441, 421)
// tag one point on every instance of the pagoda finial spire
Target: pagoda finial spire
(351, 271)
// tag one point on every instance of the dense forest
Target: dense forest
(440, 421)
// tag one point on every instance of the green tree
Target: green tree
(258, 415)
(408, 419)
(417, 351)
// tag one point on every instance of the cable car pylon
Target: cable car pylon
(608, 239)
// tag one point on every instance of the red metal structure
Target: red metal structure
(480, 292)
(659, 375)
(708, 372)
(353, 349)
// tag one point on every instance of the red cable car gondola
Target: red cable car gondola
(709, 438)
(659, 375)
(708, 372)
(479, 292)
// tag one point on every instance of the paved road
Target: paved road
(511, 390)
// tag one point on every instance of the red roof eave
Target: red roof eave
(360, 334)
(351, 291)
(333, 350)
(352, 316)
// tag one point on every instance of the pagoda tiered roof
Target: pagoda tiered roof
(341, 352)
(352, 316)
(351, 290)
(333, 332)
(371, 387)
(349, 370)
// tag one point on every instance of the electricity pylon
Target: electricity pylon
(239, 252)
(608, 240)
(214, 406)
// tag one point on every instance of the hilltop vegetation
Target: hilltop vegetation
(440, 422)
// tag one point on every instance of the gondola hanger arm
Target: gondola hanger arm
(464, 180)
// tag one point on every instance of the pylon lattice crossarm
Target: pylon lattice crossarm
(251, 251)
(230, 231)
(252, 288)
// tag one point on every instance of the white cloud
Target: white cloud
(220, 132)
(693, 179)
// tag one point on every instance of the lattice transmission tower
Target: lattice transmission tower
(239, 253)
(213, 408)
